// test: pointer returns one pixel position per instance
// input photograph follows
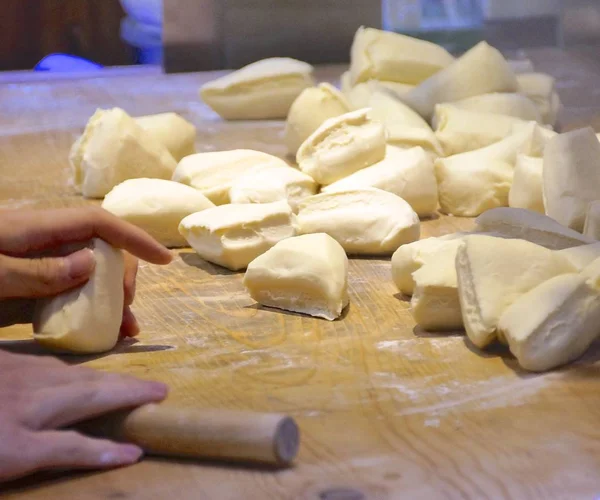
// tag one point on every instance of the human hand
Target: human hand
(40, 395)
(34, 264)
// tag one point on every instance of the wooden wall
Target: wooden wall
(31, 29)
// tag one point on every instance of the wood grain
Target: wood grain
(386, 411)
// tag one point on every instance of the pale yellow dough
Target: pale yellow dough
(591, 227)
(527, 186)
(502, 103)
(173, 131)
(540, 88)
(359, 95)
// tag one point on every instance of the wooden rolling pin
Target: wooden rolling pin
(238, 436)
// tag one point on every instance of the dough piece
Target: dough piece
(581, 256)
(172, 131)
(85, 320)
(530, 226)
(214, 173)
(364, 221)
(361, 93)
(306, 274)
(460, 130)
(493, 273)
(435, 304)
(341, 146)
(554, 323)
(112, 149)
(382, 55)
(481, 70)
(262, 90)
(406, 173)
(232, 236)
(571, 176)
(405, 128)
(540, 88)
(312, 107)
(591, 227)
(156, 206)
(268, 183)
(527, 187)
(499, 103)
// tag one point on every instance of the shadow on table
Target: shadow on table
(259, 307)
(194, 260)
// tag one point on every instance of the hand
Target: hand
(39, 395)
(25, 235)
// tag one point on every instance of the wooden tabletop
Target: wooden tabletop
(386, 411)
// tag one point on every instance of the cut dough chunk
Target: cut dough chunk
(406, 173)
(540, 88)
(85, 320)
(554, 323)
(461, 130)
(502, 103)
(341, 146)
(359, 95)
(307, 274)
(571, 176)
(493, 273)
(114, 148)
(591, 227)
(157, 206)
(262, 90)
(382, 55)
(405, 128)
(172, 131)
(527, 187)
(530, 226)
(272, 182)
(364, 221)
(214, 173)
(312, 107)
(481, 70)
(232, 236)
(581, 256)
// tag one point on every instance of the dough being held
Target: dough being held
(527, 186)
(157, 206)
(502, 103)
(307, 274)
(114, 148)
(364, 221)
(85, 320)
(172, 131)
(262, 90)
(406, 173)
(232, 236)
(341, 146)
(215, 173)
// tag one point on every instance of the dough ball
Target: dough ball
(359, 95)
(171, 130)
(540, 88)
(527, 187)
(502, 103)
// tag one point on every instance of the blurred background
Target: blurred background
(214, 34)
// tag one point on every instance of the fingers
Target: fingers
(129, 326)
(26, 231)
(34, 278)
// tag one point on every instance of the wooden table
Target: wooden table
(386, 411)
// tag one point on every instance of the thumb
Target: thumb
(45, 277)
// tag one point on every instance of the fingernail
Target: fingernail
(80, 263)
(122, 455)
(158, 389)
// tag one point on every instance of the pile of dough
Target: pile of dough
(405, 128)
(493, 273)
(312, 107)
(272, 182)
(383, 55)
(114, 148)
(591, 227)
(530, 226)
(157, 206)
(306, 274)
(481, 70)
(214, 173)
(502, 103)
(539, 87)
(86, 320)
(527, 186)
(364, 221)
(262, 90)
(406, 173)
(460, 130)
(581, 256)
(556, 322)
(232, 236)
(358, 95)
(171, 130)
(341, 146)
(571, 176)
